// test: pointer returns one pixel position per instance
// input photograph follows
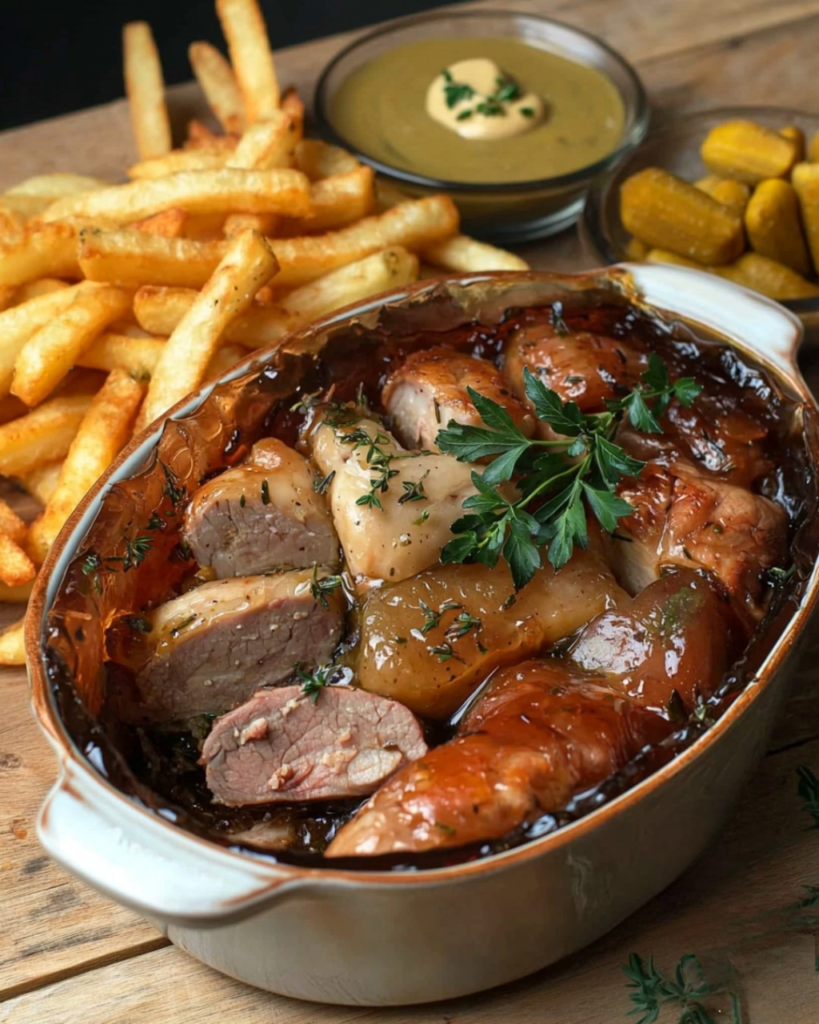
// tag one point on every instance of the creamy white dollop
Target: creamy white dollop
(478, 101)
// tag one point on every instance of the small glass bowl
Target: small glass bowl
(676, 148)
(504, 211)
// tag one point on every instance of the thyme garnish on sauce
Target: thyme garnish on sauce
(556, 478)
(320, 588)
(312, 683)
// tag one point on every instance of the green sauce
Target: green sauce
(380, 109)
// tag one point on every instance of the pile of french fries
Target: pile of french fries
(116, 300)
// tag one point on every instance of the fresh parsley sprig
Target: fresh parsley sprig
(686, 989)
(556, 478)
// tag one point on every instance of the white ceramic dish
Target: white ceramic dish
(383, 938)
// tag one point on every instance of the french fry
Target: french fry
(16, 567)
(145, 89)
(246, 35)
(464, 254)
(179, 160)
(46, 250)
(43, 286)
(292, 105)
(267, 144)
(11, 524)
(265, 223)
(11, 407)
(7, 293)
(41, 482)
(22, 321)
(12, 224)
(23, 206)
(56, 185)
(229, 190)
(132, 258)
(336, 201)
(319, 160)
(49, 354)
(224, 359)
(169, 224)
(201, 137)
(136, 356)
(12, 648)
(42, 436)
(103, 432)
(218, 82)
(248, 264)
(16, 595)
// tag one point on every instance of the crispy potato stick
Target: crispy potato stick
(377, 273)
(248, 264)
(11, 524)
(49, 354)
(293, 105)
(43, 286)
(462, 253)
(215, 76)
(204, 227)
(16, 595)
(228, 190)
(24, 206)
(146, 91)
(136, 356)
(266, 144)
(265, 223)
(45, 250)
(246, 35)
(118, 257)
(19, 323)
(160, 310)
(12, 224)
(338, 200)
(42, 481)
(16, 567)
(104, 430)
(168, 224)
(201, 137)
(7, 295)
(224, 358)
(56, 185)
(179, 160)
(319, 159)
(42, 436)
(132, 258)
(12, 648)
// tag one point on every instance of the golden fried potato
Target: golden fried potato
(12, 649)
(145, 89)
(215, 75)
(42, 435)
(246, 35)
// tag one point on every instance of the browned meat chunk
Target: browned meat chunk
(679, 634)
(213, 646)
(581, 367)
(540, 734)
(688, 520)
(280, 746)
(430, 389)
(261, 516)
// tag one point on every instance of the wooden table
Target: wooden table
(67, 955)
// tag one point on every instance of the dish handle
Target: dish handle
(757, 324)
(148, 864)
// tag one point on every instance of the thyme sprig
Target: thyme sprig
(686, 988)
(556, 478)
(312, 683)
(321, 587)
(378, 456)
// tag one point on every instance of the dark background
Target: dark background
(63, 55)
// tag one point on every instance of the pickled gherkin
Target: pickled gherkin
(667, 213)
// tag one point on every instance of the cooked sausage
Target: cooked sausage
(261, 516)
(282, 746)
(212, 647)
(430, 389)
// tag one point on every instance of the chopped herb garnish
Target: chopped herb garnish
(155, 522)
(527, 111)
(177, 629)
(507, 90)
(135, 552)
(312, 683)
(448, 829)
(557, 478)
(265, 492)
(809, 791)
(137, 623)
(464, 115)
(422, 518)
(413, 490)
(306, 402)
(463, 624)
(173, 490)
(456, 92)
(320, 486)
(320, 588)
(433, 618)
(686, 989)
(242, 501)
(444, 652)
(778, 575)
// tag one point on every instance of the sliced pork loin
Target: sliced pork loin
(213, 646)
(261, 516)
(430, 388)
(282, 746)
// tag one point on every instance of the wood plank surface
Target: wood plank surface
(67, 954)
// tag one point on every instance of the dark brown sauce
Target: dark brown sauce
(159, 768)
